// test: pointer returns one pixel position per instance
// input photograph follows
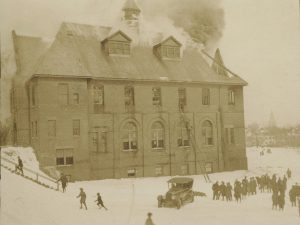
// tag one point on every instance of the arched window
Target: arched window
(129, 137)
(183, 139)
(207, 132)
(157, 131)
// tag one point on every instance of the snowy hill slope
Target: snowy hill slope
(129, 200)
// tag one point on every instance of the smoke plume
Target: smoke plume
(203, 20)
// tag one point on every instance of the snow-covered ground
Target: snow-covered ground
(129, 200)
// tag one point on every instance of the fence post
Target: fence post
(57, 188)
(37, 177)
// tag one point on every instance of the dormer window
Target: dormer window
(168, 49)
(120, 48)
(117, 44)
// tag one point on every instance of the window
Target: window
(119, 48)
(75, 98)
(63, 91)
(64, 157)
(208, 167)
(207, 132)
(229, 133)
(34, 128)
(131, 172)
(158, 170)
(231, 97)
(98, 98)
(94, 141)
(156, 96)
(129, 98)
(170, 52)
(129, 137)
(205, 96)
(33, 94)
(157, 130)
(181, 98)
(183, 135)
(51, 128)
(76, 127)
(184, 169)
(103, 141)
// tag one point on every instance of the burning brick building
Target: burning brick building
(95, 104)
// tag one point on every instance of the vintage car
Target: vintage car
(180, 192)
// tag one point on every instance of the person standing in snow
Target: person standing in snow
(64, 180)
(237, 191)
(281, 201)
(19, 166)
(293, 196)
(228, 192)
(82, 196)
(100, 202)
(149, 220)
(215, 189)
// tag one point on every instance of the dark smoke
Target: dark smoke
(203, 20)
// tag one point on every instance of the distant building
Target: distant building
(94, 105)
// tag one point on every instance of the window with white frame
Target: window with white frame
(64, 157)
(207, 132)
(181, 98)
(156, 96)
(129, 98)
(157, 131)
(129, 137)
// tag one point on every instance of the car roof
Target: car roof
(180, 180)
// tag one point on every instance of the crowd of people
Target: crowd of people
(265, 183)
(239, 190)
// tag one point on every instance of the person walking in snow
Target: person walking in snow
(82, 196)
(64, 181)
(100, 202)
(149, 220)
(19, 166)
(289, 173)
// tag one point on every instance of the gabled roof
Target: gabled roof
(119, 32)
(131, 4)
(218, 64)
(170, 38)
(80, 55)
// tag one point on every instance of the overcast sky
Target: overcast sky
(260, 43)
